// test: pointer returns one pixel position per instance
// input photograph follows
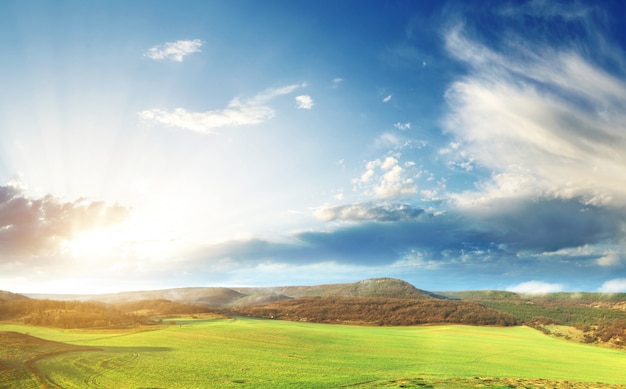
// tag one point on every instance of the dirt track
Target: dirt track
(20, 353)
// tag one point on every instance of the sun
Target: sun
(98, 244)
(136, 239)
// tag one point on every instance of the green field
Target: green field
(269, 353)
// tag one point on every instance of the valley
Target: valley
(373, 333)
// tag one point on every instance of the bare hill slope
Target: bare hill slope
(9, 296)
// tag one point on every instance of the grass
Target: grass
(19, 354)
(269, 353)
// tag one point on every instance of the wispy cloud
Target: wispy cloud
(31, 227)
(387, 99)
(174, 51)
(546, 115)
(304, 102)
(547, 10)
(388, 140)
(236, 113)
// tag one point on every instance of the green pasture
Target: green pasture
(267, 353)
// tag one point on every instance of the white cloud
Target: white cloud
(500, 186)
(367, 176)
(550, 117)
(617, 285)
(271, 93)
(611, 258)
(237, 113)
(389, 163)
(304, 102)
(337, 81)
(402, 126)
(386, 99)
(535, 287)
(386, 179)
(174, 51)
(429, 194)
(417, 260)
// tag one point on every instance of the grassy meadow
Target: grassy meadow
(203, 353)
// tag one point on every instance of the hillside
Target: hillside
(222, 297)
(598, 317)
(211, 296)
(375, 287)
(90, 314)
(8, 296)
(378, 311)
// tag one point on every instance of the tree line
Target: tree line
(378, 311)
(595, 318)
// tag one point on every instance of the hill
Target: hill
(378, 311)
(8, 296)
(210, 296)
(91, 314)
(222, 297)
(598, 317)
(375, 287)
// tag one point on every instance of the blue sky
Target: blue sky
(455, 145)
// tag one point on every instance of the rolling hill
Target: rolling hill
(590, 317)
(222, 297)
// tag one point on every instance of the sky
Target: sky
(455, 145)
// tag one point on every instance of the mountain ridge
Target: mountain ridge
(237, 296)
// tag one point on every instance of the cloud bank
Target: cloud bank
(38, 226)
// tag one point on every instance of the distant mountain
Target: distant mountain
(375, 287)
(8, 296)
(245, 296)
(211, 297)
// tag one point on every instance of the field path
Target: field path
(42, 380)
(20, 354)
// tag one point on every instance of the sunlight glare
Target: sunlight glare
(132, 240)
